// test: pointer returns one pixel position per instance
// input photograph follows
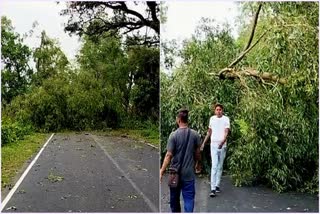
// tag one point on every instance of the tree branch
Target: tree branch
(264, 76)
(123, 7)
(230, 73)
(236, 61)
(86, 18)
(132, 12)
(255, 21)
(152, 6)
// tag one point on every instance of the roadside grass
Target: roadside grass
(15, 155)
(148, 135)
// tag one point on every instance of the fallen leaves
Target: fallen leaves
(54, 178)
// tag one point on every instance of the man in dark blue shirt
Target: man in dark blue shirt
(175, 152)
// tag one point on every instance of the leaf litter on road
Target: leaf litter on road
(65, 197)
(54, 178)
(21, 191)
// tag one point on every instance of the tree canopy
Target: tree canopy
(111, 83)
(95, 18)
(15, 69)
(267, 80)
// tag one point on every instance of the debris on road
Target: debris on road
(11, 208)
(132, 196)
(54, 178)
(21, 191)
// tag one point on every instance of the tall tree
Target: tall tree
(49, 59)
(144, 65)
(15, 70)
(92, 18)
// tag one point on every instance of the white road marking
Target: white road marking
(146, 199)
(12, 191)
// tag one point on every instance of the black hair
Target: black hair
(218, 105)
(183, 115)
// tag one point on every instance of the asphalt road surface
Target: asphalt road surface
(90, 173)
(243, 199)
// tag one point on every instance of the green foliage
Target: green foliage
(96, 18)
(11, 163)
(144, 64)
(49, 59)
(11, 132)
(15, 71)
(112, 84)
(191, 86)
(274, 127)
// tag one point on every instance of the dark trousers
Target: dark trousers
(188, 193)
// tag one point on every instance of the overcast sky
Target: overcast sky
(182, 19)
(24, 13)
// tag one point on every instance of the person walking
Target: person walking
(219, 126)
(183, 149)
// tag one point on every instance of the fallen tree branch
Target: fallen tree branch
(236, 61)
(248, 47)
(230, 73)
(254, 25)
(264, 76)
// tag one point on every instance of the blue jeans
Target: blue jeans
(188, 193)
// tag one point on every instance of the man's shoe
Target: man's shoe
(212, 193)
(218, 189)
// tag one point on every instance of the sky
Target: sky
(24, 13)
(182, 19)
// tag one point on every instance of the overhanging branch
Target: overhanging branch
(254, 25)
(86, 18)
(231, 73)
(236, 61)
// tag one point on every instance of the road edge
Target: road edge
(15, 187)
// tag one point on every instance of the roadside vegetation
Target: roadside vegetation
(113, 84)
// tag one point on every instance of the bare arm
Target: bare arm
(197, 160)
(165, 163)
(206, 138)
(226, 132)
(197, 154)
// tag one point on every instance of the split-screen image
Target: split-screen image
(169, 106)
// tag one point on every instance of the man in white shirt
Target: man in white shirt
(219, 126)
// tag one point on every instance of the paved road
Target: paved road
(90, 173)
(243, 199)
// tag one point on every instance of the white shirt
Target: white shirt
(218, 126)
